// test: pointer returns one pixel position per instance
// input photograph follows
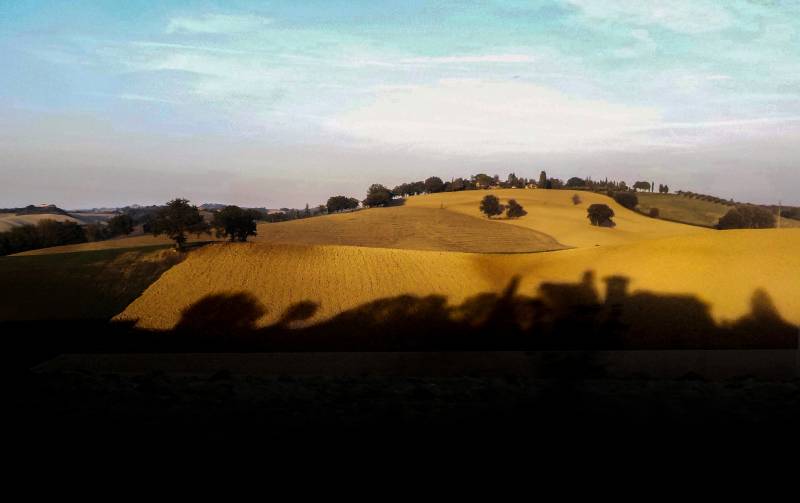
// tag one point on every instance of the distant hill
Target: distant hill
(31, 215)
(694, 209)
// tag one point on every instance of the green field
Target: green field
(72, 286)
(689, 210)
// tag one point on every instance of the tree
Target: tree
(626, 199)
(482, 180)
(747, 217)
(641, 185)
(491, 206)
(340, 203)
(600, 214)
(434, 184)
(235, 223)
(178, 218)
(515, 210)
(542, 180)
(120, 224)
(576, 199)
(377, 195)
(576, 182)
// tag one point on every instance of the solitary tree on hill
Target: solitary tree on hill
(490, 206)
(515, 210)
(600, 215)
(178, 218)
(235, 223)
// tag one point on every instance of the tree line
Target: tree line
(47, 233)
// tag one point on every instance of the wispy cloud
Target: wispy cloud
(217, 24)
(139, 97)
(486, 58)
(685, 16)
(479, 116)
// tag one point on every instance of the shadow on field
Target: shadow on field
(560, 316)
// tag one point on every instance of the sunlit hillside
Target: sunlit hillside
(413, 228)
(717, 267)
(554, 213)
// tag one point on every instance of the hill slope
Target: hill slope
(451, 221)
(552, 212)
(715, 267)
(11, 220)
(90, 285)
(411, 228)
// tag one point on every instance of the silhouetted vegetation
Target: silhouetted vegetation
(377, 195)
(235, 223)
(178, 218)
(576, 182)
(654, 212)
(341, 203)
(514, 209)
(626, 199)
(747, 217)
(490, 206)
(600, 215)
(576, 199)
(44, 234)
(120, 225)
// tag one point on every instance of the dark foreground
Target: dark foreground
(559, 392)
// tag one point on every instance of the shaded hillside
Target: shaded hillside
(89, 285)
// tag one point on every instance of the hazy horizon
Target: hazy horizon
(281, 104)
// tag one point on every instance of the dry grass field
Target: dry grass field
(690, 211)
(716, 267)
(552, 212)
(412, 228)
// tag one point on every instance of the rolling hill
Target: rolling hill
(452, 222)
(714, 267)
(11, 220)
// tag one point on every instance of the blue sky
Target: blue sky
(283, 103)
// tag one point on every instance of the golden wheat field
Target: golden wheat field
(553, 212)
(412, 228)
(723, 269)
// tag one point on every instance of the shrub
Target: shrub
(654, 212)
(576, 199)
(600, 214)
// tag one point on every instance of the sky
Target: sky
(283, 103)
